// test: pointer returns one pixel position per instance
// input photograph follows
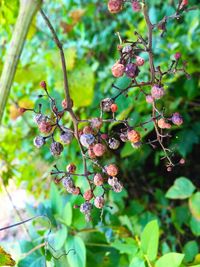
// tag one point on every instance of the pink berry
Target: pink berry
(115, 6)
(177, 119)
(139, 61)
(99, 149)
(162, 124)
(157, 91)
(118, 70)
(99, 202)
(98, 179)
(136, 6)
(149, 99)
(88, 195)
(114, 108)
(112, 170)
(43, 84)
(177, 55)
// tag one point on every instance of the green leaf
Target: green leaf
(59, 238)
(77, 259)
(150, 239)
(195, 226)
(190, 250)
(174, 259)
(194, 205)
(137, 262)
(56, 200)
(127, 245)
(181, 189)
(5, 258)
(67, 216)
(81, 84)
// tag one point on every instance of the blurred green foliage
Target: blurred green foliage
(88, 33)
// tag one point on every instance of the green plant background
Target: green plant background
(169, 201)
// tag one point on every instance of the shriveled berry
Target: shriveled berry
(56, 148)
(91, 153)
(131, 70)
(86, 207)
(39, 141)
(40, 118)
(112, 170)
(104, 136)
(43, 84)
(99, 149)
(177, 55)
(136, 6)
(139, 61)
(45, 127)
(99, 202)
(177, 119)
(113, 143)
(117, 187)
(136, 145)
(114, 108)
(66, 137)
(157, 91)
(87, 139)
(106, 104)
(133, 136)
(71, 168)
(124, 136)
(98, 179)
(88, 130)
(112, 181)
(76, 191)
(67, 182)
(118, 70)
(88, 195)
(127, 49)
(115, 6)
(162, 124)
(149, 99)
(96, 123)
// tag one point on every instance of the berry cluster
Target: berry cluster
(95, 144)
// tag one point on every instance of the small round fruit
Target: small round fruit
(76, 191)
(106, 104)
(136, 6)
(131, 70)
(149, 99)
(96, 123)
(91, 153)
(177, 119)
(177, 55)
(88, 195)
(67, 182)
(118, 70)
(87, 139)
(39, 141)
(112, 170)
(157, 91)
(162, 124)
(113, 143)
(114, 108)
(115, 6)
(133, 136)
(66, 137)
(99, 149)
(99, 202)
(43, 84)
(45, 127)
(98, 179)
(139, 61)
(117, 187)
(71, 168)
(112, 181)
(88, 130)
(86, 207)
(56, 148)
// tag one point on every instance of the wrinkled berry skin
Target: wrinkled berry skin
(99, 202)
(40, 118)
(162, 124)
(45, 127)
(112, 170)
(117, 187)
(39, 141)
(115, 6)
(139, 61)
(123, 136)
(76, 191)
(177, 119)
(98, 179)
(87, 139)
(113, 143)
(56, 148)
(133, 136)
(91, 153)
(96, 123)
(66, 137)
(71, 168)
(118, 70)
(88, 195)
(157, 92)
(86, 207)
(136, 6)
(99, 149)
(106, 104)
(67, 182)
(131, 70)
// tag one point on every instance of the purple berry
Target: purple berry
(56, 148)
(177, 119)
(131, 70)
(39, 141)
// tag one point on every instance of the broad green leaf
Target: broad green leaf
(181, 189)
(56, 200)
(81, 84)
(127, 245)
(194, 205)
(67, 216)
(195, 226)
(77, 259)
(150, 239)
(172, 259)
(59, 238)
(190, 250)
(6, 258)
(137, 262)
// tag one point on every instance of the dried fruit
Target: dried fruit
(56, 148)
(39, 141)
(133, 136)
(118, 70)
(88, 195)
(115, 6)
(113, 143)
(112, 181)
(67, 182)
(91, 153)
(112, 170)
(76, 191)
(139, 61)
(157, 92)
(88, 130)
(162, 124)
(87, 139)
(45, 127)
(136, 6)
(124, 136)
(99, 202)
(98, 179)
(99, 149)
(131, 70)
(66, 137)
(71, 168)
(86, 207)
(106, 104)
(96, 123)
(177, 119)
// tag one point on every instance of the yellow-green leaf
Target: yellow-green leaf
(5, 258)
